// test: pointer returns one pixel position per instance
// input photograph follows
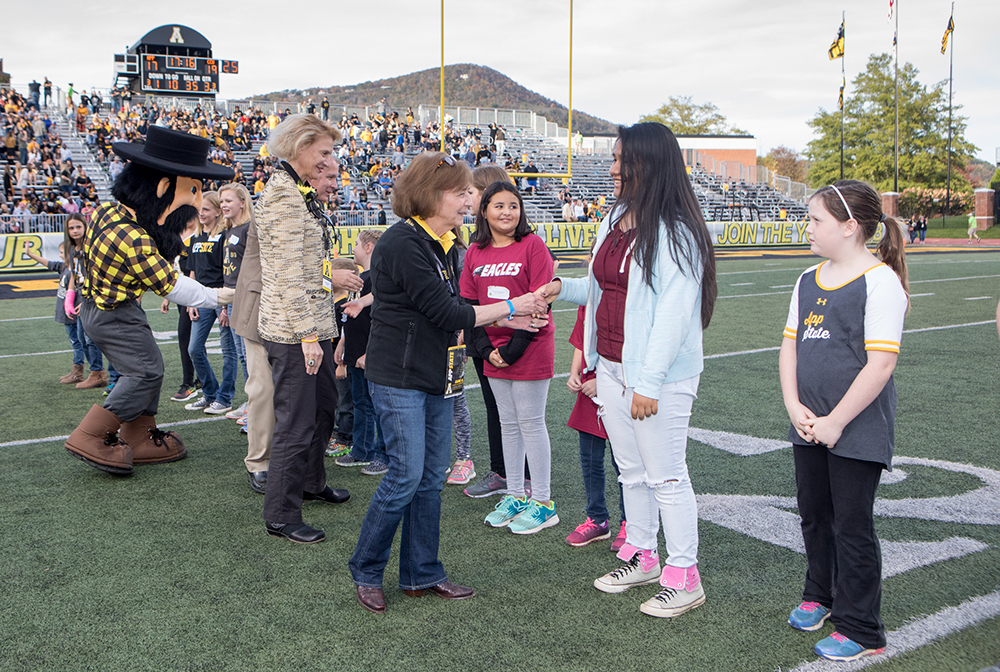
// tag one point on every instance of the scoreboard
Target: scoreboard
(183, 74)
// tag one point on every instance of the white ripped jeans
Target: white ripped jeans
(651, 455)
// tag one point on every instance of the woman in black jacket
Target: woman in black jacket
(415, 316)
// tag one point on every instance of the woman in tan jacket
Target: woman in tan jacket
(296, 323)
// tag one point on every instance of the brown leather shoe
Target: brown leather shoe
(95, 379)
(372, 599)
(446, 590)
(74, 376)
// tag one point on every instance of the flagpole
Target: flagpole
(843, 82)
(951, 70)
(895, 179)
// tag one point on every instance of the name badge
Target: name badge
(327, 275)
(495, 292)
(234, 239)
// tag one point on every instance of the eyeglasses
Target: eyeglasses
(447, 159)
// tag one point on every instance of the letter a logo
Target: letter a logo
(176, 37)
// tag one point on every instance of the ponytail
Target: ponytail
(891, 251)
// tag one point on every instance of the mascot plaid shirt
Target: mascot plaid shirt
(122, 261)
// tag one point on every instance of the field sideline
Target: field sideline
(170, 569)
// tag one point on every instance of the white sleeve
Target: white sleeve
(792, 321)
(885, 309)
(193, 294)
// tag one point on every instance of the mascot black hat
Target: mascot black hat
(174, 153)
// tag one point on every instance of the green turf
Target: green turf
(170, 569)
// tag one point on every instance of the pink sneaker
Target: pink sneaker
(462, 472)
(619, 541)
(588, 532)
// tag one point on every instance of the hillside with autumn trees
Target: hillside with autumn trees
(465, 85)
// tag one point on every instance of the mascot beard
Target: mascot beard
(131, 189)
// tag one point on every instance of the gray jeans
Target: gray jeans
(124, 336)
(521, 404)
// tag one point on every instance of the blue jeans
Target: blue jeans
(241, 349)
(83, 347)
(592, 462)
(418, 443)
(200, 329)
(369, 441)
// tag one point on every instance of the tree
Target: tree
(685, 117)
(785, 161)
(869, 115)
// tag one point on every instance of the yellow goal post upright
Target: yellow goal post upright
(569, 125)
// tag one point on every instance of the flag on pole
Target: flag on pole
(894, 45)
(840, 103)
(948, 31)
(836, 49)
(891, 5)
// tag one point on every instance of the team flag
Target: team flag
(891, 4)
(840, 103)
(836, 49)
(947, 31)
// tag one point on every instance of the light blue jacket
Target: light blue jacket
(662, 322)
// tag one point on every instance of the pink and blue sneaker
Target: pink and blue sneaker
(808, 616)
(839, 647)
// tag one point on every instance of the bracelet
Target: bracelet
(314, 339)
(510, 305)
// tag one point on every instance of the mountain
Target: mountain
(465, 85)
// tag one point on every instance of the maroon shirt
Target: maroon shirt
(611, 268)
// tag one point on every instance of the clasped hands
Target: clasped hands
(823, 431)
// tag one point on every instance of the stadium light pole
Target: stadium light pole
(895, 162)
(951, 74)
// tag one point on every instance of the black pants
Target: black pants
(493, 423)
(183, 339)
(836, 496)
(304, 411)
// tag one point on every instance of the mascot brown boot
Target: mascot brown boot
(95, 441)
(149, 444)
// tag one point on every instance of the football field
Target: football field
(170, 569)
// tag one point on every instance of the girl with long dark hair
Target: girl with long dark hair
(649, 292)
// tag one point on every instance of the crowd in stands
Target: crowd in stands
(39, 173)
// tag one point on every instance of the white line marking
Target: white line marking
(971, 277)
(741, 284)
(912, 296)
(27, 442)
(781, 286)
(23, 319)
(977, 298)
(920, 632)
(950, 326)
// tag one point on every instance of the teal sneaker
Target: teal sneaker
(536, 518)
(808, 616)
(509, 508)
(839, 647)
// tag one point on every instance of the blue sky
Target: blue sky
(764, 63)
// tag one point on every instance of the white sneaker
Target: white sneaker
(628, 575)
(217, 408)
(671, 602)
(199, 404)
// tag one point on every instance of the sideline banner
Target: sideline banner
(12, 257)
(559, 236)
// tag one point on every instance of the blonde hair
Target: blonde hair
(295, 133)
(244, 195)
(369, 236)
(484, 176)
(220, 223)
(418, 190)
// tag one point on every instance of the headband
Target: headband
(850, 215)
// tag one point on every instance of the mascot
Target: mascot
(127, 252)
